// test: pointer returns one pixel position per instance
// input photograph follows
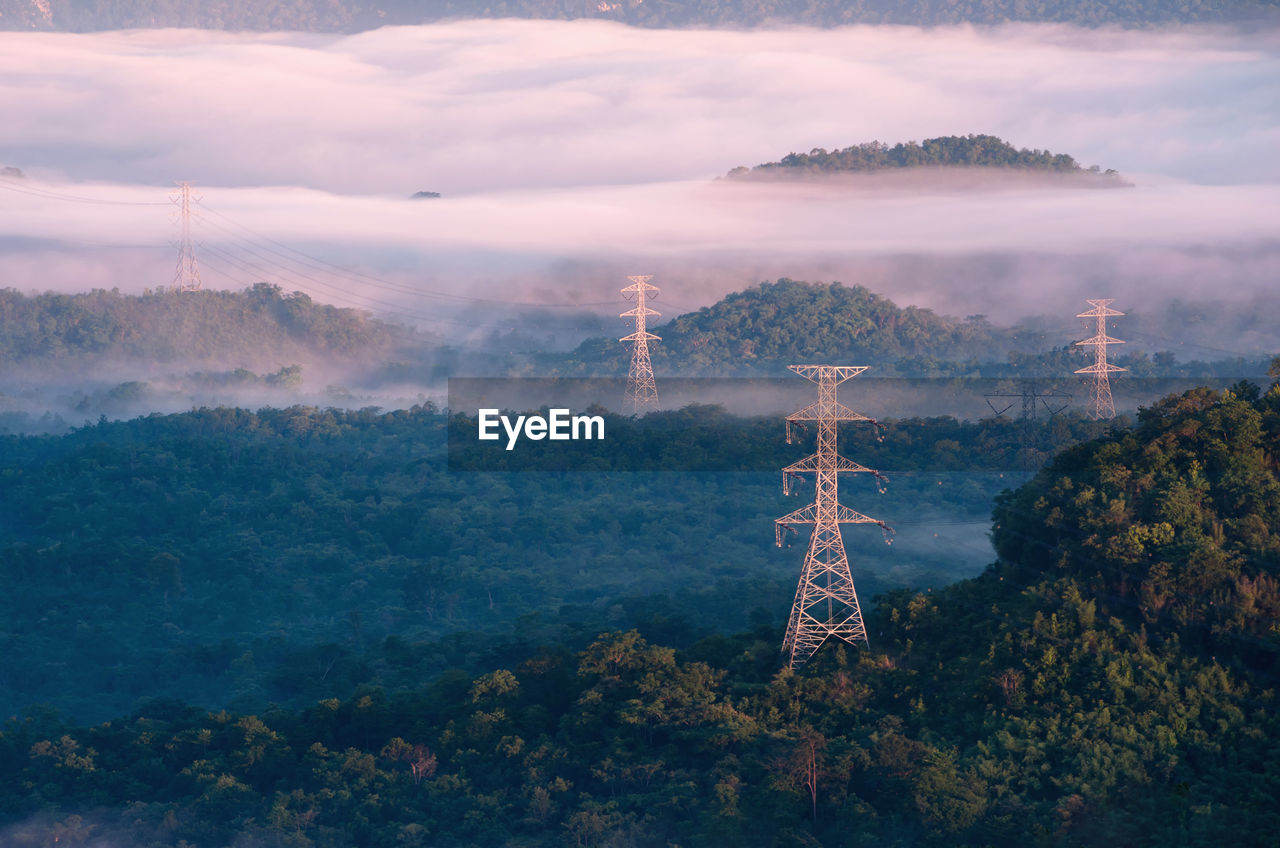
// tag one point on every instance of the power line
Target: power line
(264, 242)
(1183, 343)
(400, 288)
(333, 292)
(8, 184)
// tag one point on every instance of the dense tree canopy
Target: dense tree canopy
(1179, 517)
(259, 327)
(1049, 701)
(952, 151)
(231, 557)
(762, 329)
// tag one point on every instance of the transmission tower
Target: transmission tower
(187, 275)
(1029, 391)
(642, 391)
(1101, 370)
(826, 603)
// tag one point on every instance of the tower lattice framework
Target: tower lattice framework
(186, 277)
(826, 603)
(642, 389)
(1101, 405)
(1029, 392)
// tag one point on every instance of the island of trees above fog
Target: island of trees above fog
(950, 151)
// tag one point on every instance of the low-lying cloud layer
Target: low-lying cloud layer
(568, 151)
(499, 105)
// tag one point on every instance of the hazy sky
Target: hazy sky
(588, 146)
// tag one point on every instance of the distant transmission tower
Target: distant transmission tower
(642, 390)
(826, 603)
(1029, 392)
(1101, 370)
(187, 275)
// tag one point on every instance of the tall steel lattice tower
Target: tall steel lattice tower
(826, 603)
(1101, 370)
(642, 390)
(187, 275)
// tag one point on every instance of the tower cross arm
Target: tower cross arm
(1103, 368)
(839, 373)
(1100, 310)
(844, 515)
(786, 524)
(809, 515)
(1100, 339)
(640, 284)
(834, 411)
(803, 515)
(812, 463)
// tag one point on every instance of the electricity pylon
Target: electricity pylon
(187, 275)
(826, 603)
(1029, 392)
(1101, 370)
(642, 390)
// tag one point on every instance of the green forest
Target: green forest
(1109, 679)
(234, 558)
(70, 358)
(355, 15)
(267, 580)
(759, 331)
(952, 151)
(262, 326)
(756, 331)
(181, 343)
(307, 626)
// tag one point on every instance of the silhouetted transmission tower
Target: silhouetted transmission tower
(826, 603)
(642, 390)
(1029, 391)
(187, 275)
(1101, 370)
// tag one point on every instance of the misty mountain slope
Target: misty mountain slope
(1092, 688)
(355, 15)
(259, 328)
(953, 151)
(763, 329)
(760, 331)
(220, 555)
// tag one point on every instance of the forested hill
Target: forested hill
(761, 330)
(260, 327)
(952, 151)
(355, 15)
(1111, 681)
(1177, 521)
(229, 557)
